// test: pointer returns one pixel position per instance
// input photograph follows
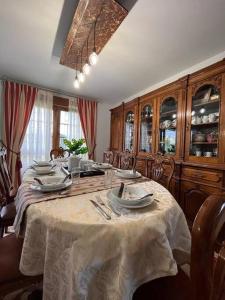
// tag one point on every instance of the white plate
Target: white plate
(51, 185)
(43, 170)
(127, 174)
(134, 200)
(146, 203)
(42, 163)
(101, 166)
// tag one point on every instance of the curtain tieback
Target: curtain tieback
(18, 159)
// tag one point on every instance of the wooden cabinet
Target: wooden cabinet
(205, 122)
(116, 134)
(130, 126)
(185, 119)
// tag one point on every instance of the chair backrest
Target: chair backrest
(208, 228)
(126, 160)
(59, 152)
(218, 285)
(5, 179)
(116, 159)
(161, 169)
(108, 157)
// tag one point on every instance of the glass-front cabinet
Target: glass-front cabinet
(205, 122)
(129, 131)
(168, 126)
(205, 115)
(146, 126)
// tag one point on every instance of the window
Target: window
(52, 120)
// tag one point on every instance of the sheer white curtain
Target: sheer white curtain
(75, 131)
(38, 139)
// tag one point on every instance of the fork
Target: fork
(99, 200)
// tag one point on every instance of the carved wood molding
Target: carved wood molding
(109, 15)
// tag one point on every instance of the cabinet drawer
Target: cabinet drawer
(202, 175)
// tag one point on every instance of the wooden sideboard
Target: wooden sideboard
(185, 119)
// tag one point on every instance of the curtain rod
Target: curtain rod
(59, 92)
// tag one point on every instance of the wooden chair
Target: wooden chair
(7, 207)
(218, 285)
(58, 153)
(108, 157)
(161, 169)
(11, 279)
(116, 159)
(126, 160)
(207, 275)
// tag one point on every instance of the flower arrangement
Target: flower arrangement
(76, 146)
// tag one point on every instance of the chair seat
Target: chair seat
(10, 252)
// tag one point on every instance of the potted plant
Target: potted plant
(75, 147)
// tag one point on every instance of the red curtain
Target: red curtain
(88, 117)
(18, 101)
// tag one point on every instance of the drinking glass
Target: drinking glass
(75, 175)
(108, 178)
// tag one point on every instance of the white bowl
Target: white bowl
(131, 196)
(51, 184)
(42, 163)
(127, 174)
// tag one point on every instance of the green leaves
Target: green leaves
(76, 146)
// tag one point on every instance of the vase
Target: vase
(73, 162)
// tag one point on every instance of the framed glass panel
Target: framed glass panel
(146, 129)
(205, 122)
(168, 126)
(129, 131)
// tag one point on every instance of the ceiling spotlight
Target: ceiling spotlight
(81, 77)
(76, 83)
(86, 69)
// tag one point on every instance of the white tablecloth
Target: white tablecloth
(84, 256)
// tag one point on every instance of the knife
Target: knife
(102, 212)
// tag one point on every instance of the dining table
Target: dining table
(84, 256)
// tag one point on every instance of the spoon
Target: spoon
(65, 178)
(38, 180)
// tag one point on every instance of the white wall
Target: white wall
(103, 130)
(194, 68)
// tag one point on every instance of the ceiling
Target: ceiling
(157, 40)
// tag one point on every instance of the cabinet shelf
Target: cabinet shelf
(204, 143)
(168, 112)
(204, 124)
(206, 103)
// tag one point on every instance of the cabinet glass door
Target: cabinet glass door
(129, 131)
(205, 122)
(167, 126)
(146, 129)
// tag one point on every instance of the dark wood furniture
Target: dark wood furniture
(7, 207)
(108, 157)
(206, 277)
(184, 120)
(58, 153)
(11, 279)
(161, 169)
(126, 160)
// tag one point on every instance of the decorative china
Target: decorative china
(42, 163)
(199, 137)
(198, 153)
(51, 185)
(132, 197)
(43, 170)
(208, 154)
(205, 119)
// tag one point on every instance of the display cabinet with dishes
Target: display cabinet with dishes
(147, 112)
(167, 126)
(130, 125)
(204, 125)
